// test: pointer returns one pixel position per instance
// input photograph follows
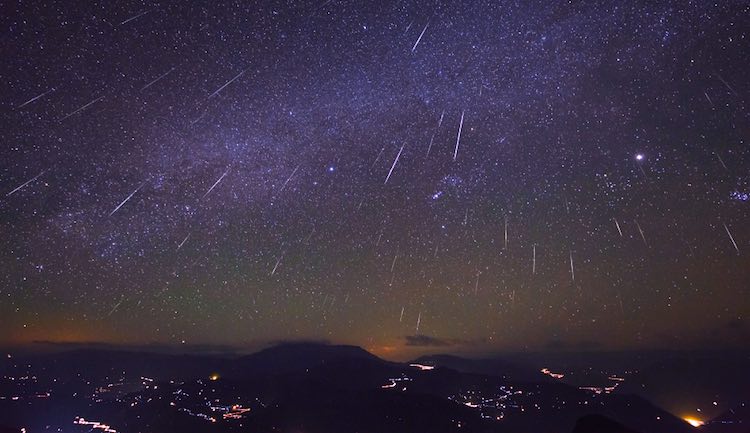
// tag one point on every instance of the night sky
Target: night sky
(408, 176)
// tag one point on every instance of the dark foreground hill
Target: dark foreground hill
(307, 388)
(599, 424)
(694, 380)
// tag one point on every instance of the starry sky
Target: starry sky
(409, 176)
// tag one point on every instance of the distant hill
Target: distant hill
(311, 387)
(694, 380)
(278, 359)
(734, 420)
(98, 363)
(296, 356)
(492, 367)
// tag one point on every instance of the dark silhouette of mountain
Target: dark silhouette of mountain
(279, 359)
(694, 380)
(492, 367)
(488, 375)
(290, 357)
(313, 388)
(599, 424)
(343, 411)
(734, 420)
(95, 363)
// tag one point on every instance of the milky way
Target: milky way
(495, 176)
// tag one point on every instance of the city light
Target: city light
(695, 422)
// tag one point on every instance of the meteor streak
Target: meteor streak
(183, 242)
(82, 108)
(276, 266)
(420, 37)
(430, 146)
(395, 161)
(289, 178)
(506, 233)
(731, 238)
(35, 98)
(458, 137)
(115, 307)
(618, 226)
(215, 183)
(721, 161)
(641, 232)
(157, 79)
(126, 199)
(226, 84)
(572, 270)
(135, 17)
(18, 188)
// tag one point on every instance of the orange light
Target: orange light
(695, 422)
